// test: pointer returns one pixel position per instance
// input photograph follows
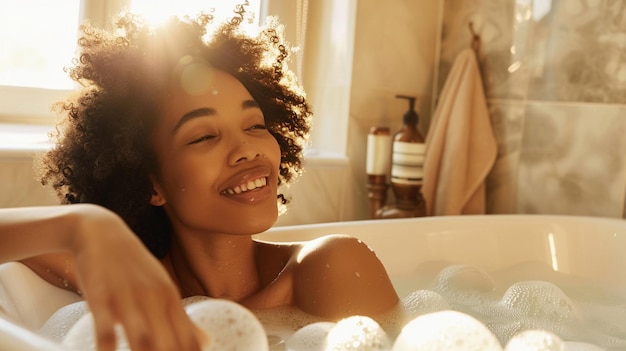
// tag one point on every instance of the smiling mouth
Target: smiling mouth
(247, 186)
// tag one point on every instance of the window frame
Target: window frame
(33, 105)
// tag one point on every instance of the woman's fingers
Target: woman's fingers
(155, 326)
(106, 338)
(124, 284)
(140, 326)
(153, 319)
(187, 334)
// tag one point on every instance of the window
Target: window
(158, 10)
(32, 63)
(35, 57)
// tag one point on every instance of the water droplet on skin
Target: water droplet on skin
(66, 266)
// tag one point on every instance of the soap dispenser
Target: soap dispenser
(407, 170)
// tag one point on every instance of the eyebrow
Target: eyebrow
(207, 112)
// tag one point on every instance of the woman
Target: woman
(178, 144)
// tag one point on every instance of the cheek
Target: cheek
(274, 153)
(180, 175)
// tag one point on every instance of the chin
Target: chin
(262, 226)
(254, 223)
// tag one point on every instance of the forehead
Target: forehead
(195, 77)
(199, 85)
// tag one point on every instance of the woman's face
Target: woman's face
(218, 164)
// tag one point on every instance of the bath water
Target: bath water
(520, 307)
(452, 307)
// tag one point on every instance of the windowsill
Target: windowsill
(23, 140)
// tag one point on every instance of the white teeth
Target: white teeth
(250, 185)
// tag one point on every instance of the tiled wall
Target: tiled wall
(555, 78)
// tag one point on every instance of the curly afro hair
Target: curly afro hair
(103, 153)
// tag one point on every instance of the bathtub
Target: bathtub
(588, 249)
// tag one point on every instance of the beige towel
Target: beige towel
(460, 145)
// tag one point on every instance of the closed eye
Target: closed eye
(201, 139)
(258, 127)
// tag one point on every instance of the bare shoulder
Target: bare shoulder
(335, 247)
(338, 276)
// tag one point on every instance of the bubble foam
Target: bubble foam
(311, 337)
(229, 326)
(357, 333)
(462, 333)
(463, 309)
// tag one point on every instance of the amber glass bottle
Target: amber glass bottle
(407, 168)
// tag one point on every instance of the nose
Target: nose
(242, 151)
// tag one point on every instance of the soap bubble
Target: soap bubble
(229, 325)
(541, 300)
(421, 302)
(446, 330)
(311, 337)
(357, 333)
(466, 285)
(505, 329)
(543, 305)
(62, 321)
(82, 336)
(536, 340)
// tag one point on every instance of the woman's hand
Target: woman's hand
(123, 283)
(92, 248)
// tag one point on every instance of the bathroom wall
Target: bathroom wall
(555, 78)
(19, 145)
(395, 52)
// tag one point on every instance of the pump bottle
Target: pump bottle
(407, 168)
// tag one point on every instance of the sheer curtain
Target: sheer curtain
(323, 32)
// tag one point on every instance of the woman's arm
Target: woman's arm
(40, 238)
(121, 280)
